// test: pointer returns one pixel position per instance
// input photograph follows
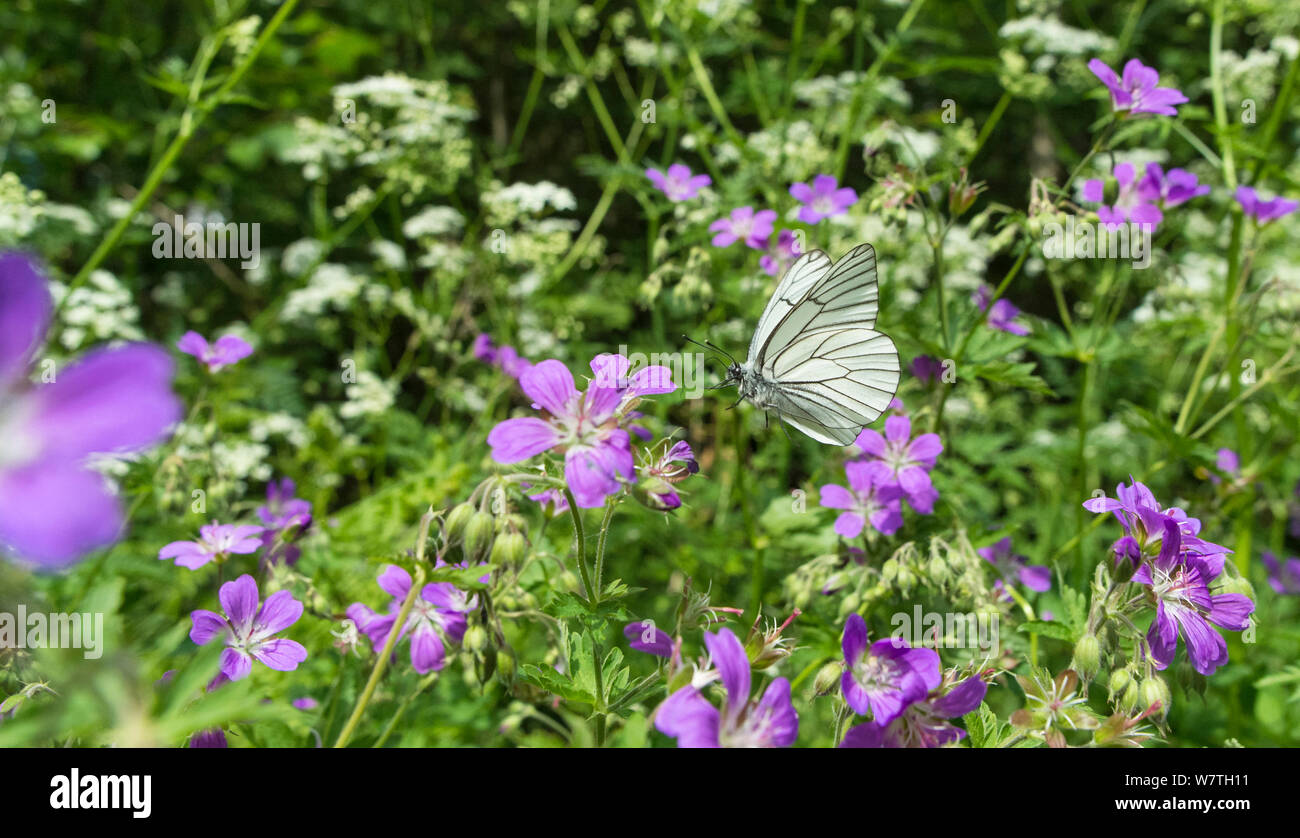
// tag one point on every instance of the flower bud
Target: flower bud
(457, 519)
(1129, 700)
(1119, 681)
(1155, 689)
(509, 549)
(478, 535)
(569, 581)
(828, 678)
(1087, 657)
(505, 665)
(475, 639)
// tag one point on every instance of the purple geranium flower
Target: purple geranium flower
(1227, 461)
(1003, 313)
(1283, 578)
(904, 461)
(1132, 204)
(646, 637)
(286, 517)
(1137, 92)
(822, 198)
(753, 228)
(783, 255)
(658, 477)
(437, 616)
(688, 717)
(884, 678)
(597, 452)
(111, 400)
(211, 738)
(869, 499)
(216, 541)
(927, 369)
(249, 631)
(924, 724)
(1180, 584)
(1263, 211)
(1142, 517)
(1010, 565)
(226, 352)
(1170, 190)
(679, 184)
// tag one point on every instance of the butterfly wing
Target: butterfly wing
(807, 270)
(811, 298)
(832, 383)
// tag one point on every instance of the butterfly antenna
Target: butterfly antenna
(710, 346)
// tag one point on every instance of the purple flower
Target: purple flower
(679, 184)
(1180, 584)
(924, 724)
(226, 352)
(1003, 313)
(822, 199)
(1035, 577)
(1132, 204)
(216, 541)
(211, 738)
(927, 369)
(1263, 211)
(1136, 508)
(1227, 462)
(505, 358)
(785, 253)
(658, 477)
(753, 228)
(688, 717)
(306, 703)
(437, 616)
(111, 400)
(483, 349)
(612, 371)
(597, 452)
(1170, 190)
(884, 678)
(282, 508)
(249, 631)
(903, 461)
(869, 499)
(646, 637)
(1137, 92)
(1284, 578)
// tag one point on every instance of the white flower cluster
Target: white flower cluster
(332, 286)
(101, 310)
(434, 221)
(368, 396)
(1047, 35)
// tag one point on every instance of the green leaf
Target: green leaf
(1060, 631)
(1015, 375)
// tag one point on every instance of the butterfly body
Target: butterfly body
(816, 359)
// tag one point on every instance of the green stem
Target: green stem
(593, 594)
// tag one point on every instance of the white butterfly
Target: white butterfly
(816, 359)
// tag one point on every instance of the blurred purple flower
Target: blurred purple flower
(783, 255)
(1010, 565)
(1263, 211)
(679, 184)
(226, 352)
(1002, 315)
(927, 369)
(1132, 204)
(1283, 577)
(505, 358)
(1170, 190)
(216, 541)
(249, 631)
(1137, 92)
(111, 400)
(822, 198)
(211, 738)
(646, 637)
(753, 228)
(688, 717)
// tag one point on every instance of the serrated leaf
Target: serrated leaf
(1020, 376)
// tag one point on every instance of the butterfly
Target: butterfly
(816, 359)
